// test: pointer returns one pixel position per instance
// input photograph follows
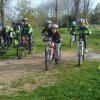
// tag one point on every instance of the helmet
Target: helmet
(73, 23)
(25, 19)
(81, 21)
(55, 26)
(48, 22)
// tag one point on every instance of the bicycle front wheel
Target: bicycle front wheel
(80, 56)
(20, 51)
(48, 58)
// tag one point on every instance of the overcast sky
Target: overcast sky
(37, 2)
(34, 3)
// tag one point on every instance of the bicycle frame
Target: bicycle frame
(25, 40)
(51, 47)
(80, 51)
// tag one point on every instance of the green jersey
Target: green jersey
(84, 30)
(26, 29)
(9, 29)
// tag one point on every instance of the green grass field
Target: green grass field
(93, 42)
(70, 81)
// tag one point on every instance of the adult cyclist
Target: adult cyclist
(26, 30)
(7, 36)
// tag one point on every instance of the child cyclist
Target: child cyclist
(84, 30)
(56, 38)
(47, 28)
(73, 28)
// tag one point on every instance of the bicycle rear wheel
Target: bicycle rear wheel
(20, 51)
(48, 58)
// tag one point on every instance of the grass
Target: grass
(93, 42)
(23, 80)
(75, 83)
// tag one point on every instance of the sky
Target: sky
(35, 3)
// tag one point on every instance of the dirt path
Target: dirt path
(12, 69)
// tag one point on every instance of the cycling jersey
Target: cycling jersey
(27, 29)
(48, 30)
(55, 37)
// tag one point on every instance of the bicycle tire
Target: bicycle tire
(20, 51)
(47, 61)
(59, 57)
(80, 56)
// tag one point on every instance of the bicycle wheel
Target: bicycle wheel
(48, 58)
(20, 51)
(33, 45)
(80, 56)
(57, 62)
(15, 42)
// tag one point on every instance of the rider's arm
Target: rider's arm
(30, 30)
(44, 30)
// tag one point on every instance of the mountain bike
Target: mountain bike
(23, 46)
(50, 53)
(81, 49)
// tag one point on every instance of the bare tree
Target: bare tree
(2, 11)
(87, 5)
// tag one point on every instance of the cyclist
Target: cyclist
(17, 29)
(56, 38)
(26, 29)
(73, 28)
(7, 35)
(47, 28)
(84, 30)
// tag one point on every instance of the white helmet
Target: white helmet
(81, 21)
(48, 22)
(55, 26)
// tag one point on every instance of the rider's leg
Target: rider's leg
(75, 38)
(85, 42)
(57, 51)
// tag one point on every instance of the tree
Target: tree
(95, 15)
(2, 11)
